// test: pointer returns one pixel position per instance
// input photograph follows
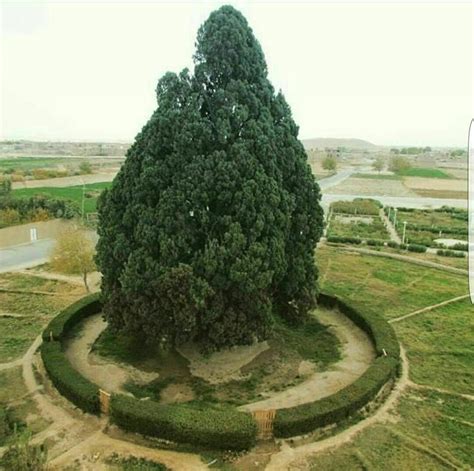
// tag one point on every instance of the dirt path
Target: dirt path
(109, 376)
(101, 446)
(297, 456)
(391, 230)
(429, 308)
(357, 354)
(80, 436)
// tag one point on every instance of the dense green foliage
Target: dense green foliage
(209, 426)
(339, 406)
(71, 316)
(450, 253)
(67, 380)
(35, 208)
(72, 195)
(210, 226)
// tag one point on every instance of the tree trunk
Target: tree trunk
(84, 277)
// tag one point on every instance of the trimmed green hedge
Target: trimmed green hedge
(212, 427)
(67, 380)
(376, 327)
(339, 406)
(450, 253)
(417, 248)
(71, 316)
(344, 240)
(307, 417)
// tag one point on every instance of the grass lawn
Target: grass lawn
(424, 172)
(431, 431)
(440, 346)
(273, 370)
(389, 287)
(35, 310)
(74, 193)
(13, 393)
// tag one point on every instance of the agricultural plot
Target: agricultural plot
(72, 193)
(357, 219)
(425, 227)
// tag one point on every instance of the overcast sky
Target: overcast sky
(390, 73)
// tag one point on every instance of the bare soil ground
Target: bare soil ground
(223, 366)
(369, 187)
(440, 184)
(358, 353)
(109, 376)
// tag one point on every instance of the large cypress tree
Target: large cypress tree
(210, 226)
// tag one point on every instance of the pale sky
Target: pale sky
(391, 73)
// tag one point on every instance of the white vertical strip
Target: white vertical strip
(470, 160)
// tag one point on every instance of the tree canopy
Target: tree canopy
(209, 228)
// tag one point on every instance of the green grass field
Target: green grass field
(389, 287)
(73, 193)
(423, 172)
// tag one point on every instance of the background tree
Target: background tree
(329, 163)
(399, 164)
(378, 164)
(73, 254)
(209, 228)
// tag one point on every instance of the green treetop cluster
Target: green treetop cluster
(210, 226)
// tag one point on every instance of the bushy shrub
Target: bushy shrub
(417, 248)
(450, 253)
(460, 246)
(67, 380)
(393, 244)
(71, 316)
(344, 240)
(203, 425)
(339, 406)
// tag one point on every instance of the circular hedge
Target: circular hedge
(218, 426)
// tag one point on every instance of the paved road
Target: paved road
(25, 255)
(334, 180)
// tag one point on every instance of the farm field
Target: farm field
(73, 193)
(424, 172)
(426, 226)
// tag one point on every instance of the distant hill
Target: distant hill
(322, 143)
